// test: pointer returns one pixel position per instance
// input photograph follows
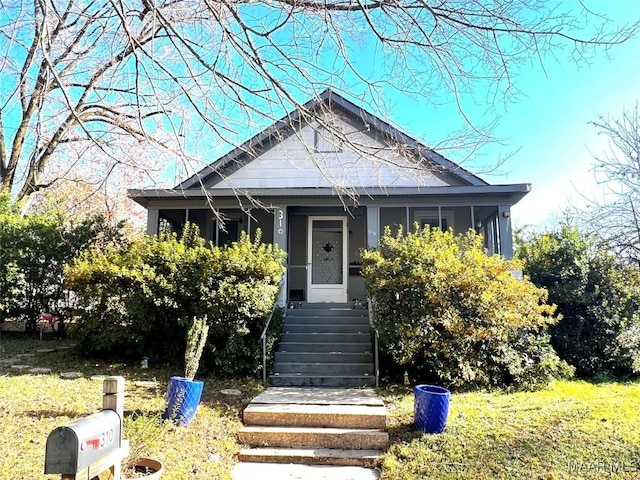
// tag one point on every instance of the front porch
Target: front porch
(323, 242)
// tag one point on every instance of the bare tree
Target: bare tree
(94, 81)
(614, 216)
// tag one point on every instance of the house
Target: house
(323, 187)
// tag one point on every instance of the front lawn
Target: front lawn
(31, 406)
(571, 430)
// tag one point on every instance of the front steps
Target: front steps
(325, 426)
(326, 345)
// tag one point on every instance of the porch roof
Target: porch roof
(510, 193)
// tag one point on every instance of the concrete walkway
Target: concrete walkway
(268, 471)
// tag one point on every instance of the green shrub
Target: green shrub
(34, 250)
(140, 299)
(448, 312)
(597, 298)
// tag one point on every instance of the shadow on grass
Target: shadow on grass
(214, 397)
(606, 378)
(139, 412)
(50, 413)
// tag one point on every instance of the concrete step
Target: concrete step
(326, 328)
(327, 312)
(323, 357)
(348, 320)
(319, 380)
(347, 438)
(326, 337)
(311, 456)
(324, 368)
(315, 347)
(297, 415)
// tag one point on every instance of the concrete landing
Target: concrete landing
(253, 471)
(319, 396)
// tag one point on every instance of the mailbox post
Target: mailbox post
(91, 446)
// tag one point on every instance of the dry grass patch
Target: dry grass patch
(31, 406)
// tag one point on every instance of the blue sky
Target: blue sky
(551, 129)
(545, 133)
(544, 130)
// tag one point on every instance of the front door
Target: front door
(327, 260)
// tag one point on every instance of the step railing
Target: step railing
(375, 337)
(263, 337)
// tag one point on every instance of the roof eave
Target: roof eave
(515, 192)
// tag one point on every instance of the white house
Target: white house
(324, 194)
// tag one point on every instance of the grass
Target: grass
(572, 430)
(31, 406)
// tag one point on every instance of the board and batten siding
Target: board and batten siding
(294, 162)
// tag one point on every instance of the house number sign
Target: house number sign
(280, 218)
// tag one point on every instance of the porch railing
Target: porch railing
(374, 340)
(263, 337)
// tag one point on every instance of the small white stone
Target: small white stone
(71, 375)
(232, 392)
(146, 384)
(40, 371)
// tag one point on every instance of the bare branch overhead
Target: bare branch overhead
(118, 75)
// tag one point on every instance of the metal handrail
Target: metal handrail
(376, 336)
(263, 337)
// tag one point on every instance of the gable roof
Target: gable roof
(212, 174)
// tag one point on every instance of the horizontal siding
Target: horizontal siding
(290, 164)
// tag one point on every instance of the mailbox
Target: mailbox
(77, 445)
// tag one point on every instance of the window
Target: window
(429, 217)
(433, 223)
(326, 142)
(229, 234)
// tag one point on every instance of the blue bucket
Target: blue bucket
(431, 408)
(183, 399)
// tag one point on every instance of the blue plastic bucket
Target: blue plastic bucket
(431, 408)
(183, 399)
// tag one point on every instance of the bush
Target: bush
(597, 298)
(140, 299)
(448, 312)
(34, 250)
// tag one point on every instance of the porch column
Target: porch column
(153, 217)
(280, 235)
(505, 231)
(373, 226)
